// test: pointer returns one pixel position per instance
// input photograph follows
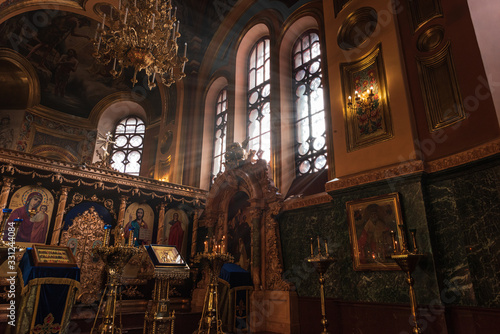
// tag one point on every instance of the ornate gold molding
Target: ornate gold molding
(387, 173)
(302, 202)
(423, 11)
(465, 157)
(16, 158)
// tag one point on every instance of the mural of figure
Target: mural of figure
(176, 235)
(32, 203)
(239, 239)
(375, 240)
(137, 224)
(6, 132)
(53, 35)
(40, 225)
(243, 260)
(67, 63)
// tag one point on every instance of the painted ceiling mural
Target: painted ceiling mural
(59, 46)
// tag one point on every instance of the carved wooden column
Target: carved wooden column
(4, 196)
(256, 214)
(63, 196)
(194, 239)
(160, 237)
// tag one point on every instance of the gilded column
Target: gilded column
(160, 237)
(4, 196)
(63, 196)
(194, 239)
(118, 233)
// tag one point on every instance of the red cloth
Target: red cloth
(176, 235)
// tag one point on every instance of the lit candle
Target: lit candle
(126, 14)
(326, 247)
(175, 11)
(185, 49)
(371, 89)
(312, 247)
(349, 98)
(205, 250)
(394, 244)
(178, 26)
(413, 233)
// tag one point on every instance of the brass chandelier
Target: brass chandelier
(141, 34)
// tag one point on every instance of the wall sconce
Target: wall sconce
(363, 101)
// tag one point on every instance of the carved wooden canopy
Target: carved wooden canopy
(250, 182)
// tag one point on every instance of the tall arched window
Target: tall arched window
(220, 133)
(258, 103)
(128, 140)
(310, 129)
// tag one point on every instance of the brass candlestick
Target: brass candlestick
(210, 322)
(407, 261)
(321, 263)
(115, 258)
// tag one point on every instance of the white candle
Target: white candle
(95, 36)
(114, 65)
(185, 49)
(99, 44)
(103, 20)
(153, 22)
(175, 11)
(178, 25)
(126, 14)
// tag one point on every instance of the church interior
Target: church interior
(250, 166)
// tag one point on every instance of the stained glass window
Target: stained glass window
(310, 129)
(220, 133)
(258, 100)
(128, 140)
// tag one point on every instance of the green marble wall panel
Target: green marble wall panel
(464, 219)
(330, 221)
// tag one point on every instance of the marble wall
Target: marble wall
(457, 221)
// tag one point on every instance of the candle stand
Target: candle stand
(407, 261)
(159, 319)
(115, 258)
(321, 263)
(210, 322)
(8, 248)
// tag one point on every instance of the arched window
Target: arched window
(126, 155)
(310, 129)
(220, 133)
(258, 102)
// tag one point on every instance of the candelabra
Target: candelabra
(141, 34)
(365, 101)
(115, 258)
(407, 261)
(321, 262)
(210, 322)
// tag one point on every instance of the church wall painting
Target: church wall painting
(175, 230)
(371, 222)
(10, 128)
(239, 230)
(141, 217)
(34, 205)
(59, 46)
